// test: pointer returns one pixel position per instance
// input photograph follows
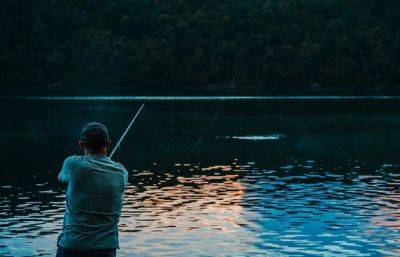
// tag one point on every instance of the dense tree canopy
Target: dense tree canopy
(199, 43)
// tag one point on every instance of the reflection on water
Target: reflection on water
(234, 209)
(311, 178)
(181, 215)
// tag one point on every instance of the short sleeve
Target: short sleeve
(126, 174)
(65, 173)
(126, 177)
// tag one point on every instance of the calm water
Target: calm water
(282, 178)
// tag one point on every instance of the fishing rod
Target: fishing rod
(125, 132)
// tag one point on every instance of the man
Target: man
(94, 197)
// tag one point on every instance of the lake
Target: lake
(214, 177)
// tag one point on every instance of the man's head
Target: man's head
(94, 138)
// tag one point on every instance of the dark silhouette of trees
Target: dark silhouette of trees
(269, 44)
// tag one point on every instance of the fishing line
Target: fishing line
(125, 132)
(200, 139)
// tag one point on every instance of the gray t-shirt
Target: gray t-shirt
(94, 200)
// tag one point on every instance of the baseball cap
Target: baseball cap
(95, 135)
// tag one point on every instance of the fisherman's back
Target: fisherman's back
(94, 201)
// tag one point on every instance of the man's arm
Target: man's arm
(59, 177)
(65, 173)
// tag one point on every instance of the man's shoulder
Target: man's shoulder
(119, 165)
(122, 168)
(72, 158)
(73, 161)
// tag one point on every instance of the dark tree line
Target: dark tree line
(271, 44)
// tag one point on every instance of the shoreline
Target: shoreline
(207, 98)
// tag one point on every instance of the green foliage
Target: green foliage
(271, 44)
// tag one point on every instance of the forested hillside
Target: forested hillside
(269, 44)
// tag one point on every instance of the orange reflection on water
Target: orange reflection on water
(185, 206)
(389, 215)
(202, 211)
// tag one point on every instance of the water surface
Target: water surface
(282, 178)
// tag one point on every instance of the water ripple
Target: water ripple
(301, 208)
